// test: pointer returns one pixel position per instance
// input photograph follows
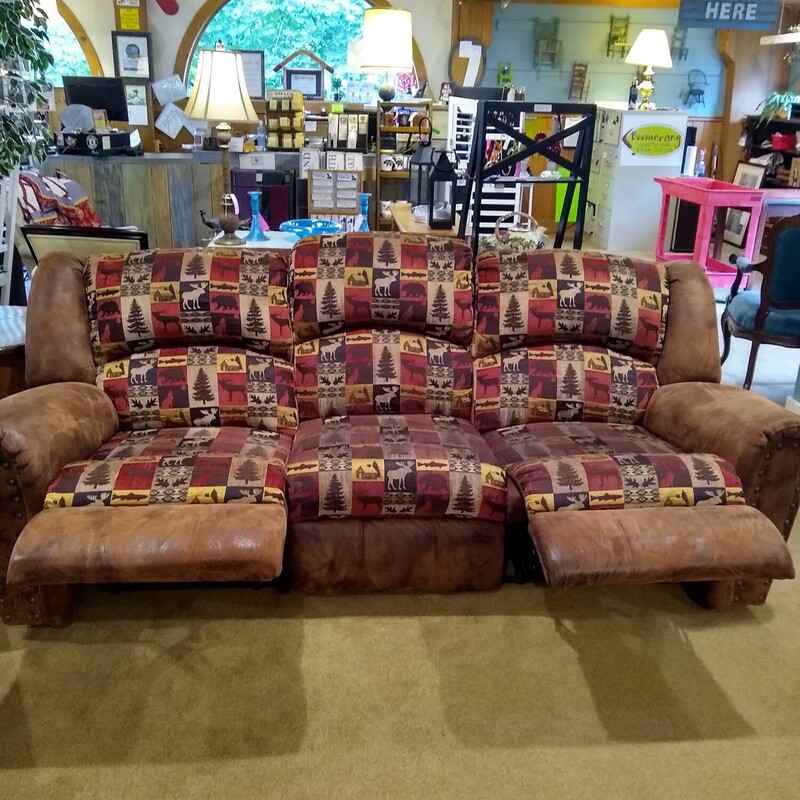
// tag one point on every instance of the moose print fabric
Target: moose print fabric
(382, 371)
(377, 466)
(560, 383)
(544, 296)
(167, 297)
(360, 280)
(201, 386)
(177, 465)
(596, 482)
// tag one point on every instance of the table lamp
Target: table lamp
(387, 44)
(220, 94)
(651, 49)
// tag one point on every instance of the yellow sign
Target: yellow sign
(129, 19)
(653, 141)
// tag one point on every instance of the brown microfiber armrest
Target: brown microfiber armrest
(41, 430)
(757, 436)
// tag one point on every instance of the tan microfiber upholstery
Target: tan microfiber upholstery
(650, 545)
(57, 346)
(691, 345)
(194, 543)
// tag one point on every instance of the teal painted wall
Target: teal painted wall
(583, 33)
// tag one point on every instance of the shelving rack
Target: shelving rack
(395, 185)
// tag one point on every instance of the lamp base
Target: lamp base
(386, 92)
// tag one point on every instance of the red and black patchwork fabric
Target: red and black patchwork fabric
(183, 386)
(177, 465)
(418, 466)
(560, 383)
(382, 371)
(167, 297)
(359, 280)
(564, 439)
(596, 482)
(542, 296)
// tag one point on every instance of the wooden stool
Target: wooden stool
(12, 349)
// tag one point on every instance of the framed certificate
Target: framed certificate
(132, 54)
(253, 67)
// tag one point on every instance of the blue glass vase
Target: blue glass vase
(255, 234)
(364, 212)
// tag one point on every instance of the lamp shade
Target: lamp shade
(651, 49)
(219, 92)
(387, 42)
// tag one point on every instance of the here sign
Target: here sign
(750, 14)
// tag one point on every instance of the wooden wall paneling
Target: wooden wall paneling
(138, 198)
(161, 204)
(107, 181)
(202, 198)
(82, 173)
(709, 130)
(182, 210)
(473, 19)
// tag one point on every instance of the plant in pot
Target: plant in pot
(336, 88)
(23, 61)
(778, 104)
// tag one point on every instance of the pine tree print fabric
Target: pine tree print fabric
(597, 482)
(362, 280)
(382, 371)
(201, 386)
(167, 297)
(544, 296)
(560, 383)
(177, 465)
(375, 466)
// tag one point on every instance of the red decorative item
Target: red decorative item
(169, 7)
(783, 141)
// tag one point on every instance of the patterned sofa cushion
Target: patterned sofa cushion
(543, 296)
(382, 371)
(187, 386)
(563, 383)
(167, 297)
(596, 481)
(359, 280)
(393, 465)
(564, 439)
(177, 465)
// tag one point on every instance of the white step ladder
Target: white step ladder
(8, 224)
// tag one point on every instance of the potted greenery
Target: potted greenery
(336, 86)
(778, 104)
(23, 61)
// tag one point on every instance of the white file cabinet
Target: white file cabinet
(630, 149)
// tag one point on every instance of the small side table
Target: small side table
(714, 198)
(12, 349)
(405, 222)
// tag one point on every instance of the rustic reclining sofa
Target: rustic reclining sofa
(379, 414)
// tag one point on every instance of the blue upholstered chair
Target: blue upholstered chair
(770, 314)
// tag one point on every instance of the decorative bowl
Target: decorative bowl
(309, 227)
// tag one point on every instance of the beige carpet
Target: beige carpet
(239, 693)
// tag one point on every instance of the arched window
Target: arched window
(279, 27)
(68, 55)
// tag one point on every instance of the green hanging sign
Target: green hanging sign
(653, 141)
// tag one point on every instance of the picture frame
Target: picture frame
(254, 74)
(132, 54)
(737, 220)
(137, 101)
(307, 81)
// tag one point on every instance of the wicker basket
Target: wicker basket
(515, 238)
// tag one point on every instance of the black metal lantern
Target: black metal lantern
(442, 183)
(420, 165)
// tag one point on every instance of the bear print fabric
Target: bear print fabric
(177, 465)
(375, 466)
(545, 296)
(168, 297)
(360, 280)
(382, 371)
(560, 383)
(561, 439)
(596, 482)
(201, 386)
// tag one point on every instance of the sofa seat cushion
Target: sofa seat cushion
(563, 439)
(177, 466)
(373, 466)
(597, 481)
(202, 386)
(779, 322)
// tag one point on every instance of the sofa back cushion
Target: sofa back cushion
(560, 383)
(360, 280)
(158, 298)
(201, 386)
(382, 371)
(544, 296)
